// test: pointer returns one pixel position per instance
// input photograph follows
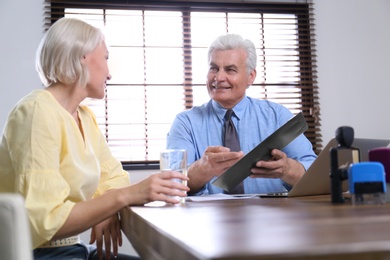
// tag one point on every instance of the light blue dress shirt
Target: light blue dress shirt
(202, 126)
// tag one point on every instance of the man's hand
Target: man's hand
(214, 161)
(279, 166)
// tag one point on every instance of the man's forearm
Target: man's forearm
(197, 178)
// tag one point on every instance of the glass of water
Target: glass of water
(174, 160)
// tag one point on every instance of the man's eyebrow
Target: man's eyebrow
(231, 66)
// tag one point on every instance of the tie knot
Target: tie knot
(228, 114)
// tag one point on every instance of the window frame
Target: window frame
(303, 10)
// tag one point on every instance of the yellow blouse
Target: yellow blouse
(46, 158)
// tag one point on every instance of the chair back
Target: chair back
(15, 238)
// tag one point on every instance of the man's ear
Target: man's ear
(252, 76)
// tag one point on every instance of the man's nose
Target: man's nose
(220, 75)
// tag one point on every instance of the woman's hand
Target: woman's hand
(109, 233)
(160, 187)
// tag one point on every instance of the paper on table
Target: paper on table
(211, 197)
(220, 196)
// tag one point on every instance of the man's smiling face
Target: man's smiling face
(227, 77)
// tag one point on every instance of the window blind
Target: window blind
(158, 62)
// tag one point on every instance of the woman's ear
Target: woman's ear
(83, 59)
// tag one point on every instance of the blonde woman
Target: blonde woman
(53, 153)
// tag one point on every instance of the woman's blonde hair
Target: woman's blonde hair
(60, 52)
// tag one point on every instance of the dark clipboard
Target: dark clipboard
(277, 140)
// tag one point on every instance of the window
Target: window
(158, 62)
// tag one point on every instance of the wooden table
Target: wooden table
(260, 228)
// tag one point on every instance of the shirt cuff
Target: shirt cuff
(202, 191)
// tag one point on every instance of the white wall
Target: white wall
(353, 39)
(20, 36)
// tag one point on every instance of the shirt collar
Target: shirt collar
(238, 109)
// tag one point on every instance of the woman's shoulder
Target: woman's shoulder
(35, 110)
(37, 97)
(37, 101)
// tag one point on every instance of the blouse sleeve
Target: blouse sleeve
(33, 139)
